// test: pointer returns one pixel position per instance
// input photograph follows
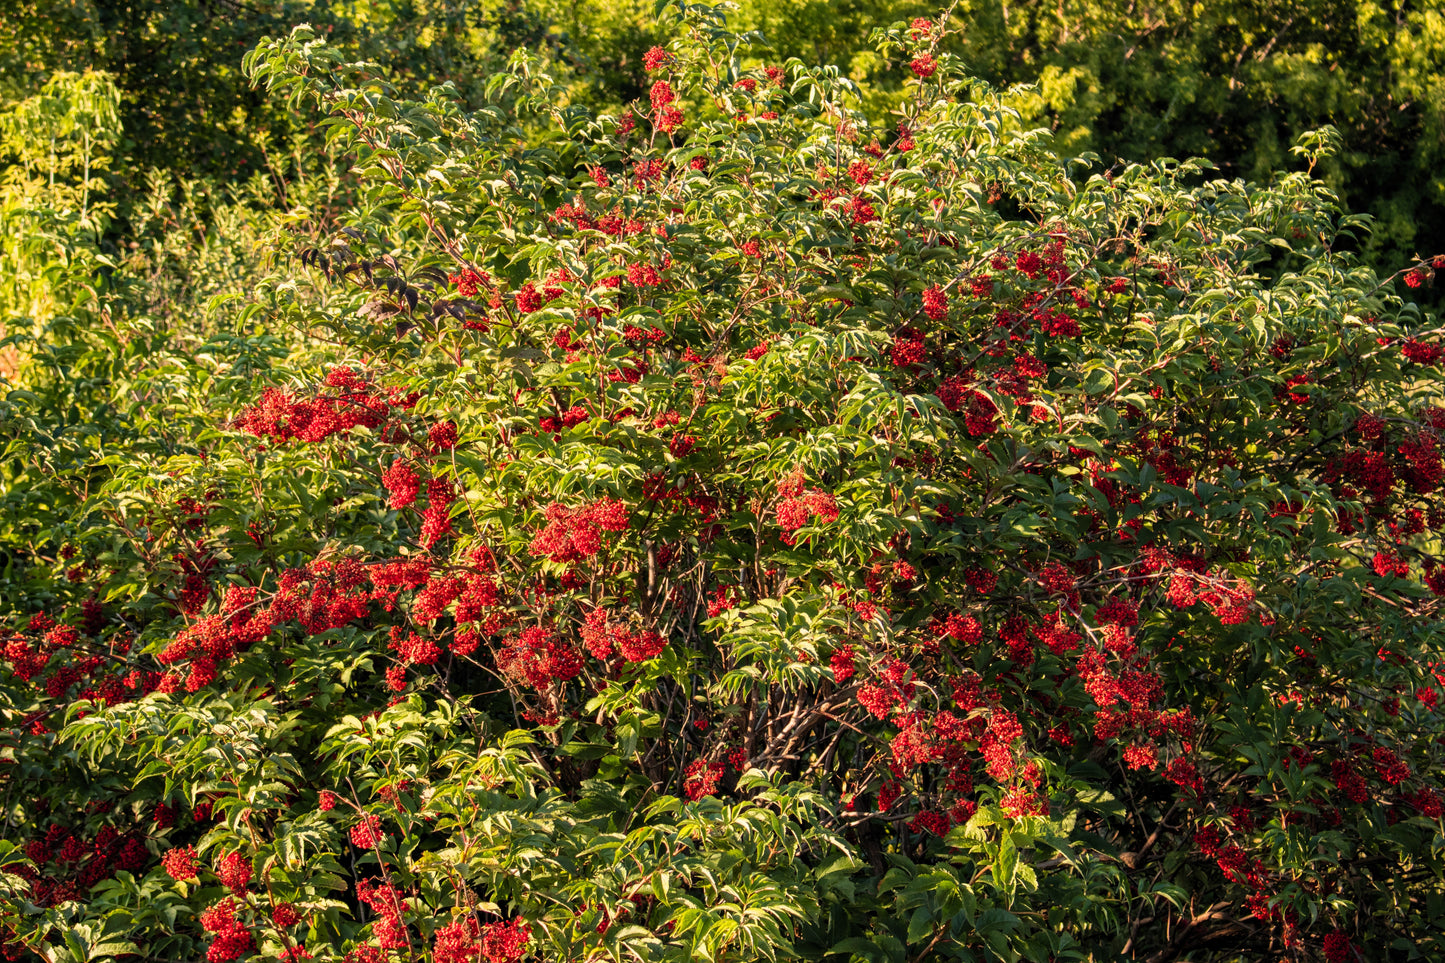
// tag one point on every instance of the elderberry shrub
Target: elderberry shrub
(735, 529)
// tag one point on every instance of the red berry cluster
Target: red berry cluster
(367, 833)
(536, 658)
(701, 778)
(572, 534)
(798, 507)
(281, 417)
(666, 116)
(389, 928)
(235, 872)
(232, 938)
(602, 637)
(180, 863)
(458, 942)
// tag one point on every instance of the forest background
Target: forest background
(188, 145)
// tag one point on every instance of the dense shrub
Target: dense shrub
(731, 530)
